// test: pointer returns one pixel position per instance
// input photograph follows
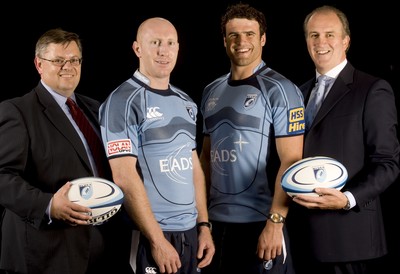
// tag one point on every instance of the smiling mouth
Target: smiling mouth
(322, 52)
(242, 50)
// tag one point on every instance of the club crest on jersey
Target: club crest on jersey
(250, 100)
(190, 112)
(211, 103)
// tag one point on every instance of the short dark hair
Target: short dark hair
(242, 10)
(56, 36)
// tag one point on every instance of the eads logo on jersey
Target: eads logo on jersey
(296, 121)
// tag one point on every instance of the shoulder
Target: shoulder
(362, 77)
(272, 75)
(23, 103)
(274, 78)
(181, 93)
(358, 79)
(90, 102)
(122, 94)
(217, 82)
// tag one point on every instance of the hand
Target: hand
(270, 241)
(326, 198)
(63, 209)
(206, 249)
(165, 256)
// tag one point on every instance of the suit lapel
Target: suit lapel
(60, 121)
(336, 93)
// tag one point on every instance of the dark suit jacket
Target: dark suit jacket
(356, 125)
(40, 151)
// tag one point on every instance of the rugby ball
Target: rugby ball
(102, 196)
(305, 175)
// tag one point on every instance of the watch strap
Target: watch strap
(207, 224)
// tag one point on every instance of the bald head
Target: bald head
(156, 24)
(157, 48)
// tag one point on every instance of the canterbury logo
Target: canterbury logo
(150, 270)
(153, 113)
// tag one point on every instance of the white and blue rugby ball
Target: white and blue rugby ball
(102, 196)
(305, 175)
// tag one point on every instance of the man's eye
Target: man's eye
(58, 61)
(75, 61)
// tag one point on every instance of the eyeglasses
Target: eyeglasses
(61, 62)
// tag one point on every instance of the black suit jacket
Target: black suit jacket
(40, 151)
(357, 125)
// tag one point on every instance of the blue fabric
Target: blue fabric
(316, 98)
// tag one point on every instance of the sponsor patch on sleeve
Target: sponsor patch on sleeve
(119, 147)
(296, 123)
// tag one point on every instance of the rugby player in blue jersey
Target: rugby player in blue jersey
(149, 131)
(253, 131)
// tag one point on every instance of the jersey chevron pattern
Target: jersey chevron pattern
(242, 118)
(159, 128)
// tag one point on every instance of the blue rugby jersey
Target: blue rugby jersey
(159, 128)
(241, 117)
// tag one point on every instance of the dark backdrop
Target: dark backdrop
(108, 29)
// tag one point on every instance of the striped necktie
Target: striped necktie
(316, 99)
(93, 140)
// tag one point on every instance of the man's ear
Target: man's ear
(38, 64)
(136, 49)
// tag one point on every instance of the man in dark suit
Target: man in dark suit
(342, 231)
(42, 150)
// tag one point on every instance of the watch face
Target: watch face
(276, 218)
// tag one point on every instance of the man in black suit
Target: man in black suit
(42, 150)
(342, 231)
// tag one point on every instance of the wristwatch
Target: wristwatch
(276, 218)
(347, 206)
(207, 224)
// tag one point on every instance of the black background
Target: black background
(108, 28)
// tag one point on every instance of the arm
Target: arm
(205, 161)
(31, 200)
(206, 246)
(270, 242)
(138, 207)
(367, 179)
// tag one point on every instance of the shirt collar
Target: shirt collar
(333, 73)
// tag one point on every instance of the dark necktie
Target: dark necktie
(93, 140)
(317, 97)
